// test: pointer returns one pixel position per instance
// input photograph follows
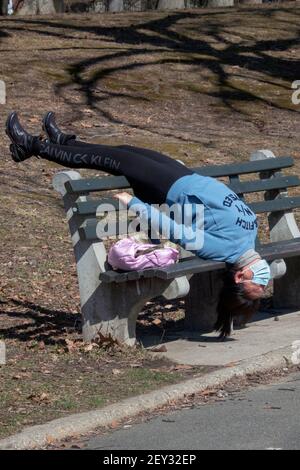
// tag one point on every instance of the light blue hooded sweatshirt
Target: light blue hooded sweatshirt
(229, 228)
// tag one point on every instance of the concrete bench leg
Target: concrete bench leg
(283, 226)
(113, 308)
(287, 289)
(201, 303)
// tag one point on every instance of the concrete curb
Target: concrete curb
(82, 423)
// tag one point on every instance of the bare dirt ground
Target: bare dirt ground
(205, 86)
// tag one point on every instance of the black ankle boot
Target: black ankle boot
(55, 135)
(23, 144)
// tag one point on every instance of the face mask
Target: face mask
(261, 272)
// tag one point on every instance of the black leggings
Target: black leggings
(150, 173)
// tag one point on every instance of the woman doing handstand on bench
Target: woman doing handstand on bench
(230, 227)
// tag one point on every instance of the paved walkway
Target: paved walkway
(259, 337)
(266, 417)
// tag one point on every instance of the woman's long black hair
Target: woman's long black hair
(233, 303)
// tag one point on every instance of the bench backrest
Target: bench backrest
(268, 180)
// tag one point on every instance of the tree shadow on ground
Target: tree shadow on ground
(159, 323)
(37, 323)
(221, 46)
(29, 322)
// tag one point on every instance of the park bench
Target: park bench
(111, 300)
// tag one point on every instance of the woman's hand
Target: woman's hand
(124, 197)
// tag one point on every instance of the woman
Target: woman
(230, 227)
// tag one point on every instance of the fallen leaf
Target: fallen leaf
(50, 439)
(208, 393)
(159, 349)
(114, 424)
(39, 397)
(86, 125)
(106, 341)
(90, 346)
(34, 120)
(269, 407)
(77, 446)
(70, 346)
(182, 367)
(22, 375)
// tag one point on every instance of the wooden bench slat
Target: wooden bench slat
(275, 205)
(245, 187)
(282, 249)
(120, 182)
(90, 230)
(89, 185)
(114, 276)
(282, 182)
(91, 206)
(186, 266)
(269, 164)
(270, 251)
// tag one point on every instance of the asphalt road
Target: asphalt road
(266, 417)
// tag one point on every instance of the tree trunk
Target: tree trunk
(42, 7)
(3, 7)
(136, 5)
(220, 3)
(151, 4)
(250, 2)
(171, 4)
(59, 6)
(116, 5)
(99, 6)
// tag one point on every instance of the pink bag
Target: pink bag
(129, 255)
